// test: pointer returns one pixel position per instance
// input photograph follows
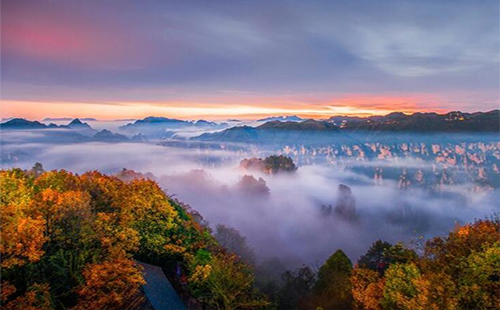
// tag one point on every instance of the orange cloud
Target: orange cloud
(354, 105)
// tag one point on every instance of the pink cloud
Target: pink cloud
(77, 39)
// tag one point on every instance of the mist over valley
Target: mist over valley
(400, 185)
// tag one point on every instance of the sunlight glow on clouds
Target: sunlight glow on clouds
(346, 105)
(250, 58)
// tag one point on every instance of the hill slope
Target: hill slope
(424, 122)
(68, 242)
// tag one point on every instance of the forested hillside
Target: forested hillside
(73, 241)
(69, 242)
(457, 272)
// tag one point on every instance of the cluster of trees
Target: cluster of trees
(71, 242)
(457, 272)
(275, 164)
(270, 165)
(460, 271)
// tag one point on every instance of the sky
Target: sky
(247, 59)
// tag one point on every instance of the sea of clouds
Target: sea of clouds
(287, 223)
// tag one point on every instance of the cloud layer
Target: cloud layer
(288, 223)
(256, 53)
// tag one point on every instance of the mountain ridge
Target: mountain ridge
(452, 122)
(75, 131)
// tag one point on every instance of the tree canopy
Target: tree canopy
(70, 242)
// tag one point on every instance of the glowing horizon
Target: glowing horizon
(182, 110)
(248, 107)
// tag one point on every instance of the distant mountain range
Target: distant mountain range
(170, 122)
(275, 131)
(337, 127)
(75, 131)
(21, 123)
(162, 127)
(292, 118)
(140, 130)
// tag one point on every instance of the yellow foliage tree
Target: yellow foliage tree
(229, 282)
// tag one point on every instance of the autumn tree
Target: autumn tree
(367, 289)
(400, 286)
(60, 181)
(407, 288)
(22, 238)
(109, 285)
(22, 228)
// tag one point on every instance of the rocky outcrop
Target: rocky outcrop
(346, 203)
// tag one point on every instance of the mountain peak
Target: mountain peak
(396, 116)
(76, 121)
(77, 124)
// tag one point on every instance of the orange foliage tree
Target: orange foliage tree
(367, 289)
(22, 228)
(109, 285)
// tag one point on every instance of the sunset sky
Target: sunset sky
(246, 59)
